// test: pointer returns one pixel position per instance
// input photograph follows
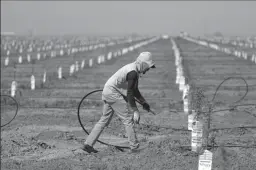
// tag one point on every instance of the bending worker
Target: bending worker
(125, 79)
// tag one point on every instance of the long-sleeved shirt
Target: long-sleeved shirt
(125, 79)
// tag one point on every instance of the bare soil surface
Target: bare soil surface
(46, 133)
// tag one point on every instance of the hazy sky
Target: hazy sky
(197, 17)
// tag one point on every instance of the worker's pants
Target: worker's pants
(120, 108)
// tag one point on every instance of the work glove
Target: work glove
(136, 117)
(146, 106)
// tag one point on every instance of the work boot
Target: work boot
(89, 149)
(134, 149)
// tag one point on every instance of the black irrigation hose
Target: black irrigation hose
(167, 127)
(80, 122)
(16, 111)
(234, 106)
(210, 109)
(229, 79)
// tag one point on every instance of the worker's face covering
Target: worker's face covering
(142, 68)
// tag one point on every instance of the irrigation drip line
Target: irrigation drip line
(254, 115)
(51, 107)
(16, 110)
(229, 79)
(236, 127)
(78, 97)
(218, 146)
(78, 88)
(75, 108)
(186, 130)
(232, 108)
(216, 111)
